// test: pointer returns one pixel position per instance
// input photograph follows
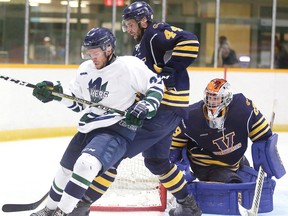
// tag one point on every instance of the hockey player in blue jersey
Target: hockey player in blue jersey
(102, 136)
(155, 41)
(216, 136)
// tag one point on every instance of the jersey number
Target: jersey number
(177, 131)
(171, 34)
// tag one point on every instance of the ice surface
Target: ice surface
(28, 167)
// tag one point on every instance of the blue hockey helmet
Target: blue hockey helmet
(137, 11)
(98, 38)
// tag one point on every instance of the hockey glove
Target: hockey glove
(140, 111)
(43, 91)
(168, 76)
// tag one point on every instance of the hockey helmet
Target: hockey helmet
(217, 96)
(98, 38)
(137, 11)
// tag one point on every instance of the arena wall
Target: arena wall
(24, 117)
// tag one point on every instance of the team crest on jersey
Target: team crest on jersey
(97, 90)
(226, 144)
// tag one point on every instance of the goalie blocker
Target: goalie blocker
(219, 198)
(265, 153)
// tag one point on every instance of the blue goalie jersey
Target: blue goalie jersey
(224, 147)
(163, 44)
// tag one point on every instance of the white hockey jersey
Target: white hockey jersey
(115, 86)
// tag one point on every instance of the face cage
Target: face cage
(215, 104)
(214, 101)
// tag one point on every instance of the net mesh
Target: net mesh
(134, 186)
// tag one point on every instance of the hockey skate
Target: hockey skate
(82, 209)
(43, 212)
(59, 212)
(188, 207)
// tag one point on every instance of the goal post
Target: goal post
(134, 189)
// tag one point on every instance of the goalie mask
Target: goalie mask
(98, 38)
(217, 96)
(137, 11)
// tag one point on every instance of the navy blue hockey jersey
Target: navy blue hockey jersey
(224, 147)
(163, 44)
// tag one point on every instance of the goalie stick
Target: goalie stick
(253, 211)
(79, 100)
(23, 207)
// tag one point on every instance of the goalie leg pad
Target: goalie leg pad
(219, 198)
(265, 153)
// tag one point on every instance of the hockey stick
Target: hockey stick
(79, 100)
(253, 211)
(23, 207)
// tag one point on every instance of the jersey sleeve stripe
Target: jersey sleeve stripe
(176, 98)
(260, 134)
(189, 55)
(174, 104)
(186, 48)
(194, 42)
(259, 128)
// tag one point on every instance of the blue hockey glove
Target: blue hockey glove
(140, 111)
(168, 76)
(43, 91)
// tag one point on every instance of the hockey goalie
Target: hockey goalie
(210, 148)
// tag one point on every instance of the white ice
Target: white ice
(28, 167)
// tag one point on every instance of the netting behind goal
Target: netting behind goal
(134, 189)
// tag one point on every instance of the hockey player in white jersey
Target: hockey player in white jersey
(103, 136)
(153, 139)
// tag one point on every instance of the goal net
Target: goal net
(134, 189)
